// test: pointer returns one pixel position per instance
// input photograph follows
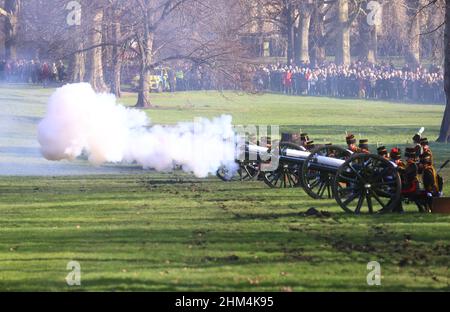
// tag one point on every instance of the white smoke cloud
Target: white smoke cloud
(78, 121)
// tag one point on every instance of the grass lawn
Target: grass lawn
(138, 230)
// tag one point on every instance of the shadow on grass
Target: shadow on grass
(174, 284)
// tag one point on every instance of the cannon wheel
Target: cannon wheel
(287, 174)
(367, 182)
(319, 184)
(246, 172)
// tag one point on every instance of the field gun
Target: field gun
(356, 181)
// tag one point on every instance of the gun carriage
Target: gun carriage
(358, 182)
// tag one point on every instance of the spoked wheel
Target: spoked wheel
(367, 183)
(283, 177)
(249, 171)
(287, 174)
(319, 183)
(246, 172)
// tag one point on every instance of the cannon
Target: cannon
(247, 171)
(358, 182)
(252, 156)
(248, 162)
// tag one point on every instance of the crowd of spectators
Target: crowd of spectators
(358, 80)
(32, 71)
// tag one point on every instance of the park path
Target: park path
(21, 109)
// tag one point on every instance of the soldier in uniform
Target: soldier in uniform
(395, 157)
(309, 145)
(304, 138)
(416, 141)
(430, 181)
(351, 143)
(410, 181)
(363, 146)
(383, 152)
(426, 151)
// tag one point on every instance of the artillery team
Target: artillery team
(418, 164)
(384, 179)
(420, 181)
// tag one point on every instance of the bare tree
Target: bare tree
(318, 35)
(306, 9)
(346, 15)
(413, 46)
(284, 14)
(368, 35)
(11, 13)
(94, 69)
(118, 51)
(202, 32)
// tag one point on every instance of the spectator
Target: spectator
(358, 80)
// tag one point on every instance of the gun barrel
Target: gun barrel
(296, 153)
(255, 149)
(255, 152)
(330, 162)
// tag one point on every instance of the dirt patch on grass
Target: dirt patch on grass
(226, 259)
(297, 254)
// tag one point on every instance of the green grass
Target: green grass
(170, 231)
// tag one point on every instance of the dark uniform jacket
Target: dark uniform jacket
(409, 178)
(430, 179)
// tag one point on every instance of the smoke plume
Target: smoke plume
(79, 121)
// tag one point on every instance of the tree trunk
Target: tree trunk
(444, 134)
(117, 78)
(372, 45)
(318, 37)
(413, 47)
(108, 61)
(12, 8)
(118, 58)
(343, 37)
(290, 34)
(368, 40)
(95, 64)
(303, 33)
(297, 43)
(77, 62)
(146, 48)
(77, 65)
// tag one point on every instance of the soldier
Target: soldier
(416, 141)
(426, 151)
(286, 137)
(309, 145)
(363, 146)
(330, 151)
(430, 181)
(383, 152)
(303, 139)
(395, 156)
(410, 181)
(351, 143)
